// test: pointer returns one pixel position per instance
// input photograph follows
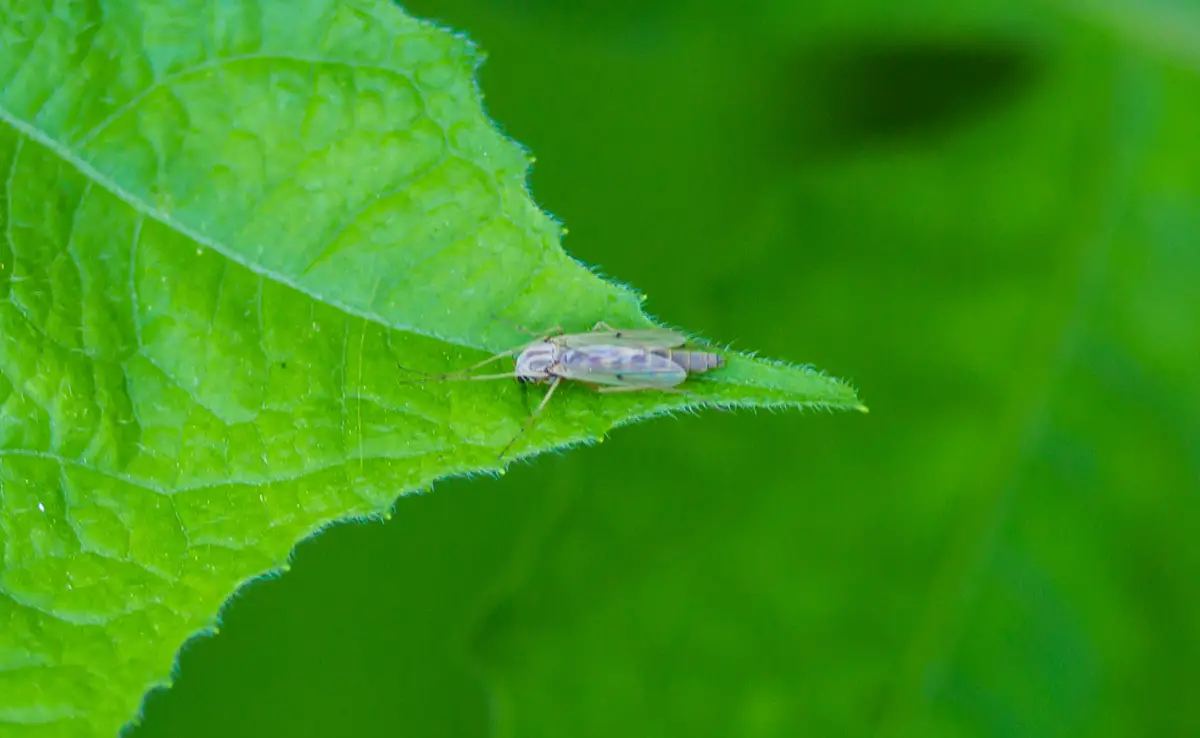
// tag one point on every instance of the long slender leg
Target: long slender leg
(609, 390)
(672, 390)
(529, 423)
(640, 388)
(602, 326)
(556, 330)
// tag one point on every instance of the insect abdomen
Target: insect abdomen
(693, 362)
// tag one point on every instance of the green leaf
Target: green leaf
(1006, 550)
(226, 226)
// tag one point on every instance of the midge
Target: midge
(608, 359)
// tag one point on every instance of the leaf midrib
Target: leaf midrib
(147, 210)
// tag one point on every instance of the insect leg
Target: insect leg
(529, 423)
(555, 331)
(672, 390)
(640, 388)
(602, 326)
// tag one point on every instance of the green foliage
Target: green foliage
(987, 211)
(226, 225)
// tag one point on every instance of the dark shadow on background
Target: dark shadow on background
(861, 93)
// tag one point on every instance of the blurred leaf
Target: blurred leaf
(1166, 28)
(858, 601)
(226, 225)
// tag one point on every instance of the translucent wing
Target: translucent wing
(620, 366)
(647, 339)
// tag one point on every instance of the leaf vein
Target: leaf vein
(143, 208)
(219, 65)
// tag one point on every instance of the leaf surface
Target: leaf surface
(996, 230)
(226, 227)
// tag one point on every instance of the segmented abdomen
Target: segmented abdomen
(692, 362)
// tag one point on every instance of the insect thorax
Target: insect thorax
(534, 363)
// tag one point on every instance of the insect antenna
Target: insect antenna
(462, 375)
(426, 376)
(456, 378)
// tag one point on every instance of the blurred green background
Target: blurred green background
(987, 216)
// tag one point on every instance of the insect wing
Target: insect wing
(645, 339)
(620, 366)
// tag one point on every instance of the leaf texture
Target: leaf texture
(227, 225)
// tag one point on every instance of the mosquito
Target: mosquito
(608, 359)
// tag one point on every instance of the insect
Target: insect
(608, 359)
